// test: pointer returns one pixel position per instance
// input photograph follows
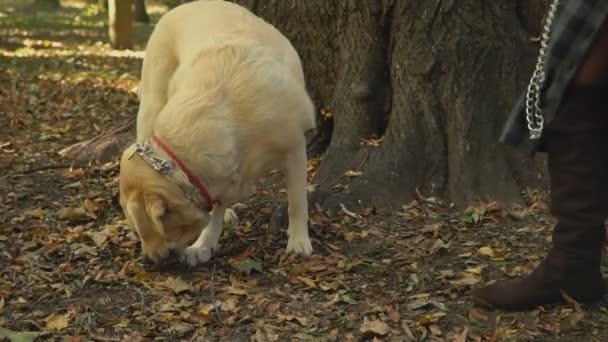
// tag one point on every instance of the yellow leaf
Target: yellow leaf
(352, 173)
(57, 322)
(248, 227)
(486, 251)
(432, 318)
(37, 213)
(474, 270)
(203, 314)
(179, 285)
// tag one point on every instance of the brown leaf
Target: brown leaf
(463, 336)
(349, 236)
(466, 280)
(309, 282)
(73, 214)
(266, 333)
(91, 208)
(332, 302)
(229, 304)
(393, 314)
(375, 327)
(303, 321)
(477, 315)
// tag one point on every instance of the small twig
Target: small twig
(141, 295)
(365, 157)
(212, 289)
(104, 339)
(47, 167)
(143, 300)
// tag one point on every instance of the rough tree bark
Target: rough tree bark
(417, 92)
(140, 12)
(120, 24)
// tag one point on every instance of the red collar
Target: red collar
(201, 188)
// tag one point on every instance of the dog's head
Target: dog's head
(156, 208)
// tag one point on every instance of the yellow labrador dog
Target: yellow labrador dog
(223, 101)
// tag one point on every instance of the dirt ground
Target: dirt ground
(70, 270)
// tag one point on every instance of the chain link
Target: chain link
(164, 167)
(534, 114)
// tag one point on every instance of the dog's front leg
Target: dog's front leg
(296, 170)
(202, 249)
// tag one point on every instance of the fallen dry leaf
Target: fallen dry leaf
(178, 285)
(352, 174)
(203, 314)
(393, 314)
(309, 282)
(486, 251)
(463, 336)
(229, 304)
(375, 327)
(246, 265)
(466, 280)
(20, 336)
(57, 322)
(349, 236)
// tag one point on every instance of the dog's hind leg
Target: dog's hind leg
(296, 171)
(202, 249)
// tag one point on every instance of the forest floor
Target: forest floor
(70, 270)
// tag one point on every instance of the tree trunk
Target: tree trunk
(414, 95)
(434, 81)
(120, 24)
(48, 3)
(141, 14)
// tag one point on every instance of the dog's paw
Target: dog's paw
(299, 245)
(196, 255)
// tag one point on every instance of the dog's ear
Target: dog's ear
(156, 207)
(146, 218)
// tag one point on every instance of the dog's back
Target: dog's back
(220, 33)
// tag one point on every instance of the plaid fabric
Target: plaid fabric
(574, 29)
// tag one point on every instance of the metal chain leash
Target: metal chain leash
(534, 114)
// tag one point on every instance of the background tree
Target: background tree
(413, 95)
(141, 14)
(48, 3)
(120, 23)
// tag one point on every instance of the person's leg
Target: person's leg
(577, 150)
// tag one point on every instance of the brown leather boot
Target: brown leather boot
(577, 146)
